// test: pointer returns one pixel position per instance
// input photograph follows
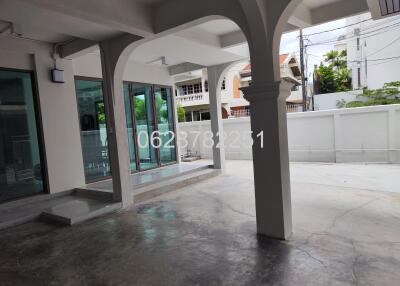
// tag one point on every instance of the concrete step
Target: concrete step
(155, 189)
(78, 209)
(154, 180)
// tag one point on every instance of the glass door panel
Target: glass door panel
(20, 159)
(93, 129)
(130, 127)
(145, 126)
(165, 124)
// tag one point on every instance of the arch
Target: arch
(288, 10)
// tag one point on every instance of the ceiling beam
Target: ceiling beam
(118, 15)
(200, 36)
(232, 39)
(76, 48)
(338, 10)
(184, 68)
(301, 17)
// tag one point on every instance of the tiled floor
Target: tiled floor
(205, 234)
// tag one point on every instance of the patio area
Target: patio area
(205, 234)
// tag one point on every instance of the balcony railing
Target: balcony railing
(190, 98)
(294, 107)
(240, 113)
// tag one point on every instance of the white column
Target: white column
(176, 121)
(214, 89)
(271, 158)
(117, 133)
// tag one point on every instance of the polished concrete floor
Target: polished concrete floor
(204, 234)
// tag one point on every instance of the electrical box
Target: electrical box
(57, 76)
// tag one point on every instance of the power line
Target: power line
(385, 47)
(367, 35)
(339, 28)
(376, 60)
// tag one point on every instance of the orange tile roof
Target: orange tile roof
(282, 59)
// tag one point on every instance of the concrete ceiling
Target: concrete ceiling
(318, 3)
(199, 45)
(210, 43)
(219, 27)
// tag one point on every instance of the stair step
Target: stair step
(156, 189)
(78, 209)
(173, 175)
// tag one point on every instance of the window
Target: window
(197, 88)
(223, 87)
(188, 116)
(196, 116)
(205, 116)
(190, 89)
(358, 44)
(92, 117)
(184, 90)
(20, 157)
(206, 86)
(359, 77)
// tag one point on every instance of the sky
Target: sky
(290, 42)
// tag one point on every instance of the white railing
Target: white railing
(240, 113)
(294, 107)
(190, 98)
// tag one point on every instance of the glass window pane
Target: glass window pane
(145, 126)
(129, 124)
(20, 161)
(165, 123)
(93, 129)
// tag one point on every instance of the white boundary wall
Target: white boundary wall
(365, 134)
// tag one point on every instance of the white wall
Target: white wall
(365, 134)
(90, 66)
(329, 101)
(58, 110)
(373, 46)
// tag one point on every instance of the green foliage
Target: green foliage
(180, 112)
(335, 76)
(101, 113)
(341, 103)
(388, 94)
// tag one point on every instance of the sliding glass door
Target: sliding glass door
(20, 157)
(150, 121)
(165, 124)
(143, 106)
(93, 128)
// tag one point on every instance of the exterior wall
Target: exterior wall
(90, 66)
(365, 134)
(58, 105)
(378, 45)
(329, 101)
(58, 110)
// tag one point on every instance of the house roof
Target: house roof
(282, 59)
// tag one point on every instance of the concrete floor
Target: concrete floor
(204, 234)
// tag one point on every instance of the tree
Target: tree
(388, 94)
(180, 112)
(334, 76)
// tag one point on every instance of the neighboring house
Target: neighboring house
(192, 90)
(373, 51)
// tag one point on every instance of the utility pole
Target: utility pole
(303, 78)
